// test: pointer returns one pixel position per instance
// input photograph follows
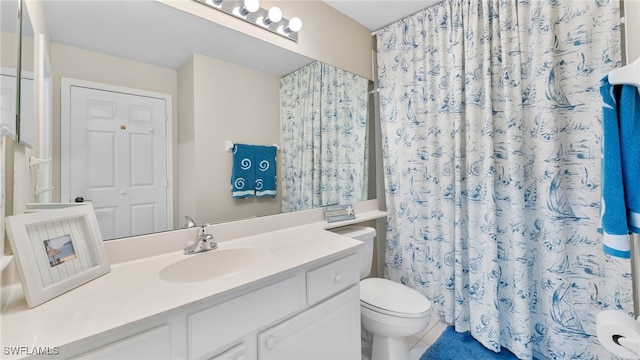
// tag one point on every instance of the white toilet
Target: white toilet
(388, 310)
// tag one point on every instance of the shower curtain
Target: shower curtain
(491, 123)
(324, 137)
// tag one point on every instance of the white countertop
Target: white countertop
(133, 291)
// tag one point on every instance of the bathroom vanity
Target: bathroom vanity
(270, 291)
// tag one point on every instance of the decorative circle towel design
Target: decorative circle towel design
(264, 165)
(245, 164)
(239, 183)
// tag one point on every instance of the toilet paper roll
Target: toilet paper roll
(614, 327)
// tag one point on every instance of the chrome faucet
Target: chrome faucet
(204, 242)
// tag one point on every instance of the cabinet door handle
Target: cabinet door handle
(271, 343)
(338, 278)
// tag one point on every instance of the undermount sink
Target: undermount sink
(212, 264)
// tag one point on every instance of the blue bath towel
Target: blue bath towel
(266, 170)
(243, 171)
(620, 206)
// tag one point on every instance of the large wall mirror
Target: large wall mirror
(222, 86)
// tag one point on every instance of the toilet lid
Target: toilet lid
(390, 296)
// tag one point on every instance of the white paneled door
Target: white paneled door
(117, 159)
(7, 102)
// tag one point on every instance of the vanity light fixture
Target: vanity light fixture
(250, 11)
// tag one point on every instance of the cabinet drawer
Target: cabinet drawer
(227, 322)
(149, 344)
(332, 278)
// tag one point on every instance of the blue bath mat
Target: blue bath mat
(455, 345)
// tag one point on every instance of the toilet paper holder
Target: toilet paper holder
(619, 333)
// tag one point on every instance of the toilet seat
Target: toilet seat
(392, 313)
(392, 298)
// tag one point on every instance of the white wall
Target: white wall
(186, 159)
(229, 102)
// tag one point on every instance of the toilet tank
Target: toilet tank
(366, 235)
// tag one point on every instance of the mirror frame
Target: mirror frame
(19, 70)
(25, 130)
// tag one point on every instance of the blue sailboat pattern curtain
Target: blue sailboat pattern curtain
(491, 124)
(324, 114)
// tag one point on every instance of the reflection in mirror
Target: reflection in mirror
(8, 67)
(196, 62)
(44, 180)
(324, 137)
(189, 222)
(7, 102)
(115, 154)
(26, 107)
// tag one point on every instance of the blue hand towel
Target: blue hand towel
(266, 170)
(620, 205)
(243, 171)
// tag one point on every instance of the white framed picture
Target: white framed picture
(56, 251)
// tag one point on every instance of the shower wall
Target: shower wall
(632, 25)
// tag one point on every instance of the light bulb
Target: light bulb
(274, 15)
(251, 6)
(295, 24)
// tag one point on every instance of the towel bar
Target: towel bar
(228, 147)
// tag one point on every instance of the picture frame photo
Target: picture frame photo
(333, 213)
(56, 251)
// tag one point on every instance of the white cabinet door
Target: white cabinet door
(238, 352)
(330, 330)
(225, 323)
